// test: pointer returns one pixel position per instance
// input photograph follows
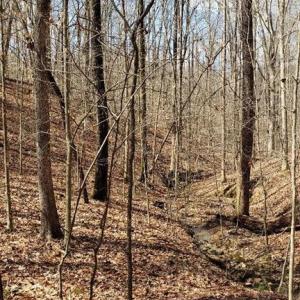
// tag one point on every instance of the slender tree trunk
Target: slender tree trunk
(236, 89)
(131, 149)
(293, 173)
(284, 135)
(9, 219)
(87, 57)
(182, 52)
(56, 90)
(270, 49)
(159, 100)
(126, 69)
(142, 51)
(67, 121)
(272, 116)
(21, 121)
(50, 225)
(130, 167)
(189, 40)
(223, 171)
(100, 186)
(175, 100)
(20, 93)
(131, 154)
(248, 109)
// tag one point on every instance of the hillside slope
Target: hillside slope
(167, 263)
(246, 253)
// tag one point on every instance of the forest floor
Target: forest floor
(169, 263)
(248, 257)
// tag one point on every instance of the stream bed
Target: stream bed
(228, 249)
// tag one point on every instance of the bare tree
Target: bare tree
(9, 220)
(100, 186)
(175, 128)
(126, 69)
(142, 53)
(132, 140)
(223, 165)
(293, 171)
(67, 119)
(50, 225)
(248, 109)
(282, 38)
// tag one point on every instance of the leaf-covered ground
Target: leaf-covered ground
(246, 256)
(167, 264)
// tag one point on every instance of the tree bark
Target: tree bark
(248, 109)
(67, 121)
(142, 51)
(9, 220)
(281, 46)
(50, 225)
(100, 186)
(174, 149)
(55, 88)
(223, 163)
(126, 69)
(293, 174)
(272, 115)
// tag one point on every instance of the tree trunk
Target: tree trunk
(293, 174)
(131, 153)
(223, 164)
(131, 148)
(55, 88)
(248, 109)
(50, 225)
(60, 96)
(9, 222)
(284, 135)
(173, 162)
(235, 68)
(272, 115)
(100, 186)
(126, 69)
(142, 53)
(67, 121)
